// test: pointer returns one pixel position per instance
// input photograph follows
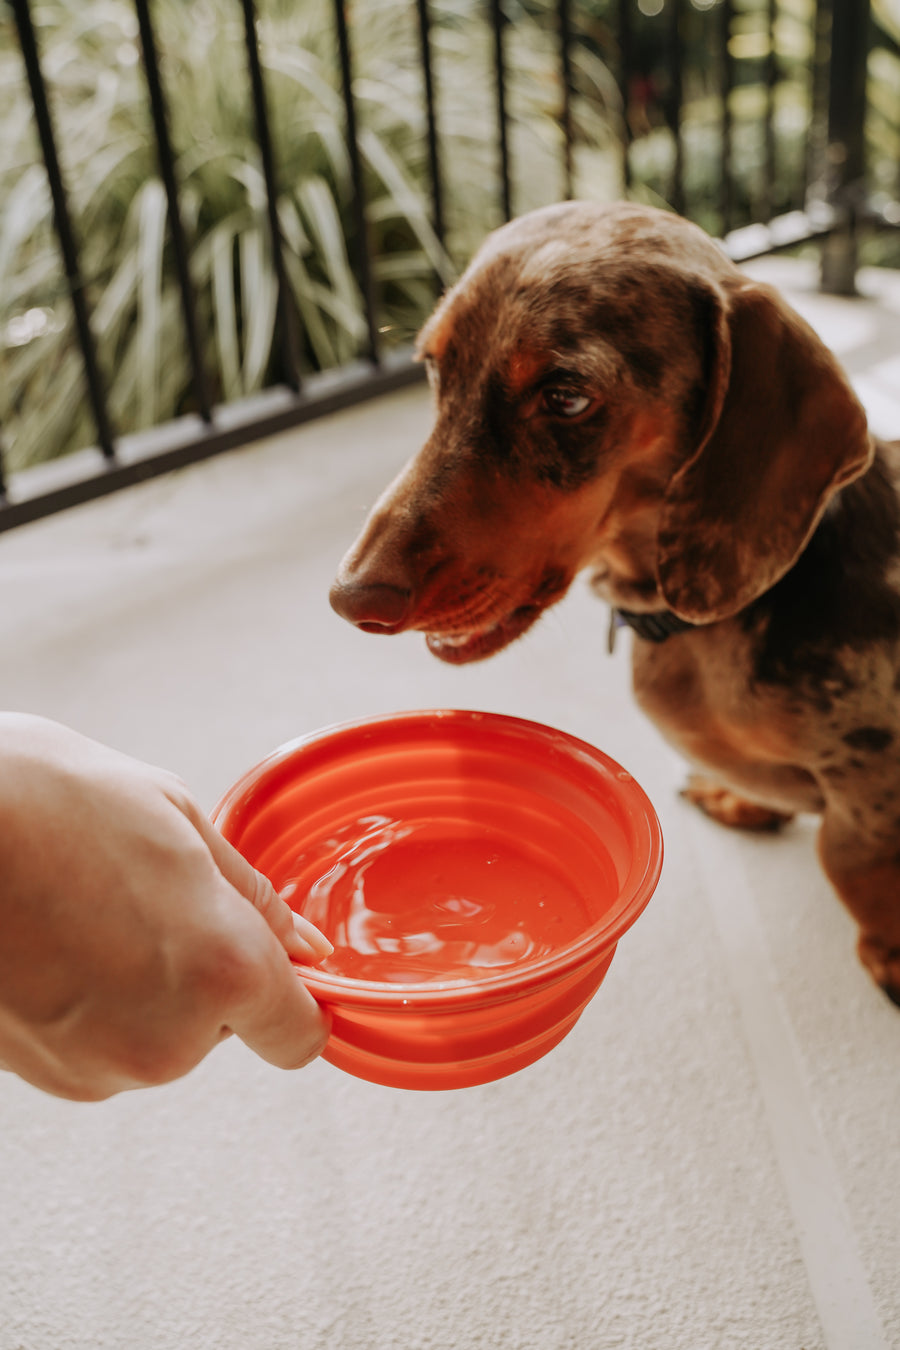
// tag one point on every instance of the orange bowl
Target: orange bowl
(473, 871)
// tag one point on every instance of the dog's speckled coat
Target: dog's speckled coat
(612, 393)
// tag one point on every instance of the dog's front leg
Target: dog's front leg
(730, 808)
(863, 865)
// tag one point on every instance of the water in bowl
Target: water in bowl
(413, 900)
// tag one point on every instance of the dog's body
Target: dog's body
(613, 394)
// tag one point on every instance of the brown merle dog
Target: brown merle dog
(613, 394)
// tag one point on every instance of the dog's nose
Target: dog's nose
(375, 607)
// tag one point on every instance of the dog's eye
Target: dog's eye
(563, 402)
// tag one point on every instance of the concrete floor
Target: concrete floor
(710, 1161)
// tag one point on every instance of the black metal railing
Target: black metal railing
(645, 44)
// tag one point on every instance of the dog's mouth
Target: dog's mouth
(459, 648)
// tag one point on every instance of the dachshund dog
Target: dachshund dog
(612, 393)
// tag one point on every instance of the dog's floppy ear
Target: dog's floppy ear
(782, 430)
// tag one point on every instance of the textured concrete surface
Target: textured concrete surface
(711, 1160)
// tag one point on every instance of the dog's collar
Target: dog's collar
(659, 627)
(651, 627)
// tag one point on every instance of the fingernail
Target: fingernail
(316, 941)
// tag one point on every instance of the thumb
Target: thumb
(300, 939)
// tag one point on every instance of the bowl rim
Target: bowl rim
(635, 892)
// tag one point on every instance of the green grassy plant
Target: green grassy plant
(92, 63)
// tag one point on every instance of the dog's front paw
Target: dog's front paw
(728, 808)
(883, 963)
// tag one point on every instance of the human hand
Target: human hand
(133, 938)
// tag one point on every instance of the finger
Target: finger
(300, 938)
(280, 1020)
(306, 936)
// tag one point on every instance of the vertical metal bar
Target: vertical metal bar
(434, 164)
(845, 173)
(159, 114)
(674, 102)
(771, 148)
(498, 20)
(818, 99)
(626, 65)
(726, 168)
(564, 19)
(363, 260)
(63, 224)
(3, 497)
(287, 313)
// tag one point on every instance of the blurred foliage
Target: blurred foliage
(92, 63)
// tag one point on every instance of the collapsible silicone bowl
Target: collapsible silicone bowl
(474, 872)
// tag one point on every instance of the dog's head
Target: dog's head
(611, 392)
